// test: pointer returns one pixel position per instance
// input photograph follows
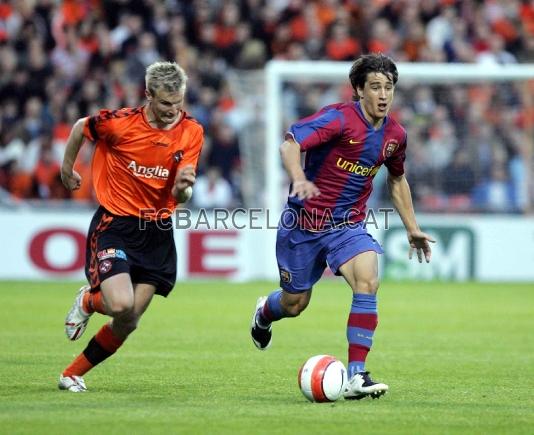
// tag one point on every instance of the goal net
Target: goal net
(470, 131)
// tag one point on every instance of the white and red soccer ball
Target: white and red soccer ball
(322, 378)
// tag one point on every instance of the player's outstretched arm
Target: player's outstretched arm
(70, 178)
(302, 187)
(402, 200)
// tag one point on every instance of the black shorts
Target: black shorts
(119, 244)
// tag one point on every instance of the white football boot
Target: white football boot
(77, 319)
(361, 385)
(75, 384)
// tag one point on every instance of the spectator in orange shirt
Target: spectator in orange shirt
(341, 45)
(47, 168)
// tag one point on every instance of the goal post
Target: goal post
(278, 72)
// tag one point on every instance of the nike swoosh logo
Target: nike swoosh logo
(353, 142)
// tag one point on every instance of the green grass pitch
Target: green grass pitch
(459, 358)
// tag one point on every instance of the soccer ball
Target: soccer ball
(322, 378)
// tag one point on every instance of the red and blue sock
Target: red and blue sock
(271, 311)
(363, 319)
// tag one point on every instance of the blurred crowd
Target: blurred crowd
(470, 145)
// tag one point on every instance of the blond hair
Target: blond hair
(168, 76)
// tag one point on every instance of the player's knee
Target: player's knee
(121, 307)
(367, 286)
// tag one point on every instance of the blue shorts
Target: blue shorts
(303, 255)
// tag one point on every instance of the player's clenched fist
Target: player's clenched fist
(182, 188)
(71, 179)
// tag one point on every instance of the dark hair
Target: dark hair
(369, 63)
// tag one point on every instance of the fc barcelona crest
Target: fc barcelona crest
(285, 276)
(390, 148)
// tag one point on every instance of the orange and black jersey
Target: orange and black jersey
(134, 164)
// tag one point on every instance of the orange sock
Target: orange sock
(79, 367)
(107, 339)
(101, 346)
(94, 302)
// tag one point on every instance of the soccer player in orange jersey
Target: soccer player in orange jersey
(143, 166)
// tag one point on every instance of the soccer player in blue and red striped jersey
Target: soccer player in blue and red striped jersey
(322, 223)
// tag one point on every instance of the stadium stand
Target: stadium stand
(63, 60)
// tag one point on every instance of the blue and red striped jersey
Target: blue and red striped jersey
(343, 154)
